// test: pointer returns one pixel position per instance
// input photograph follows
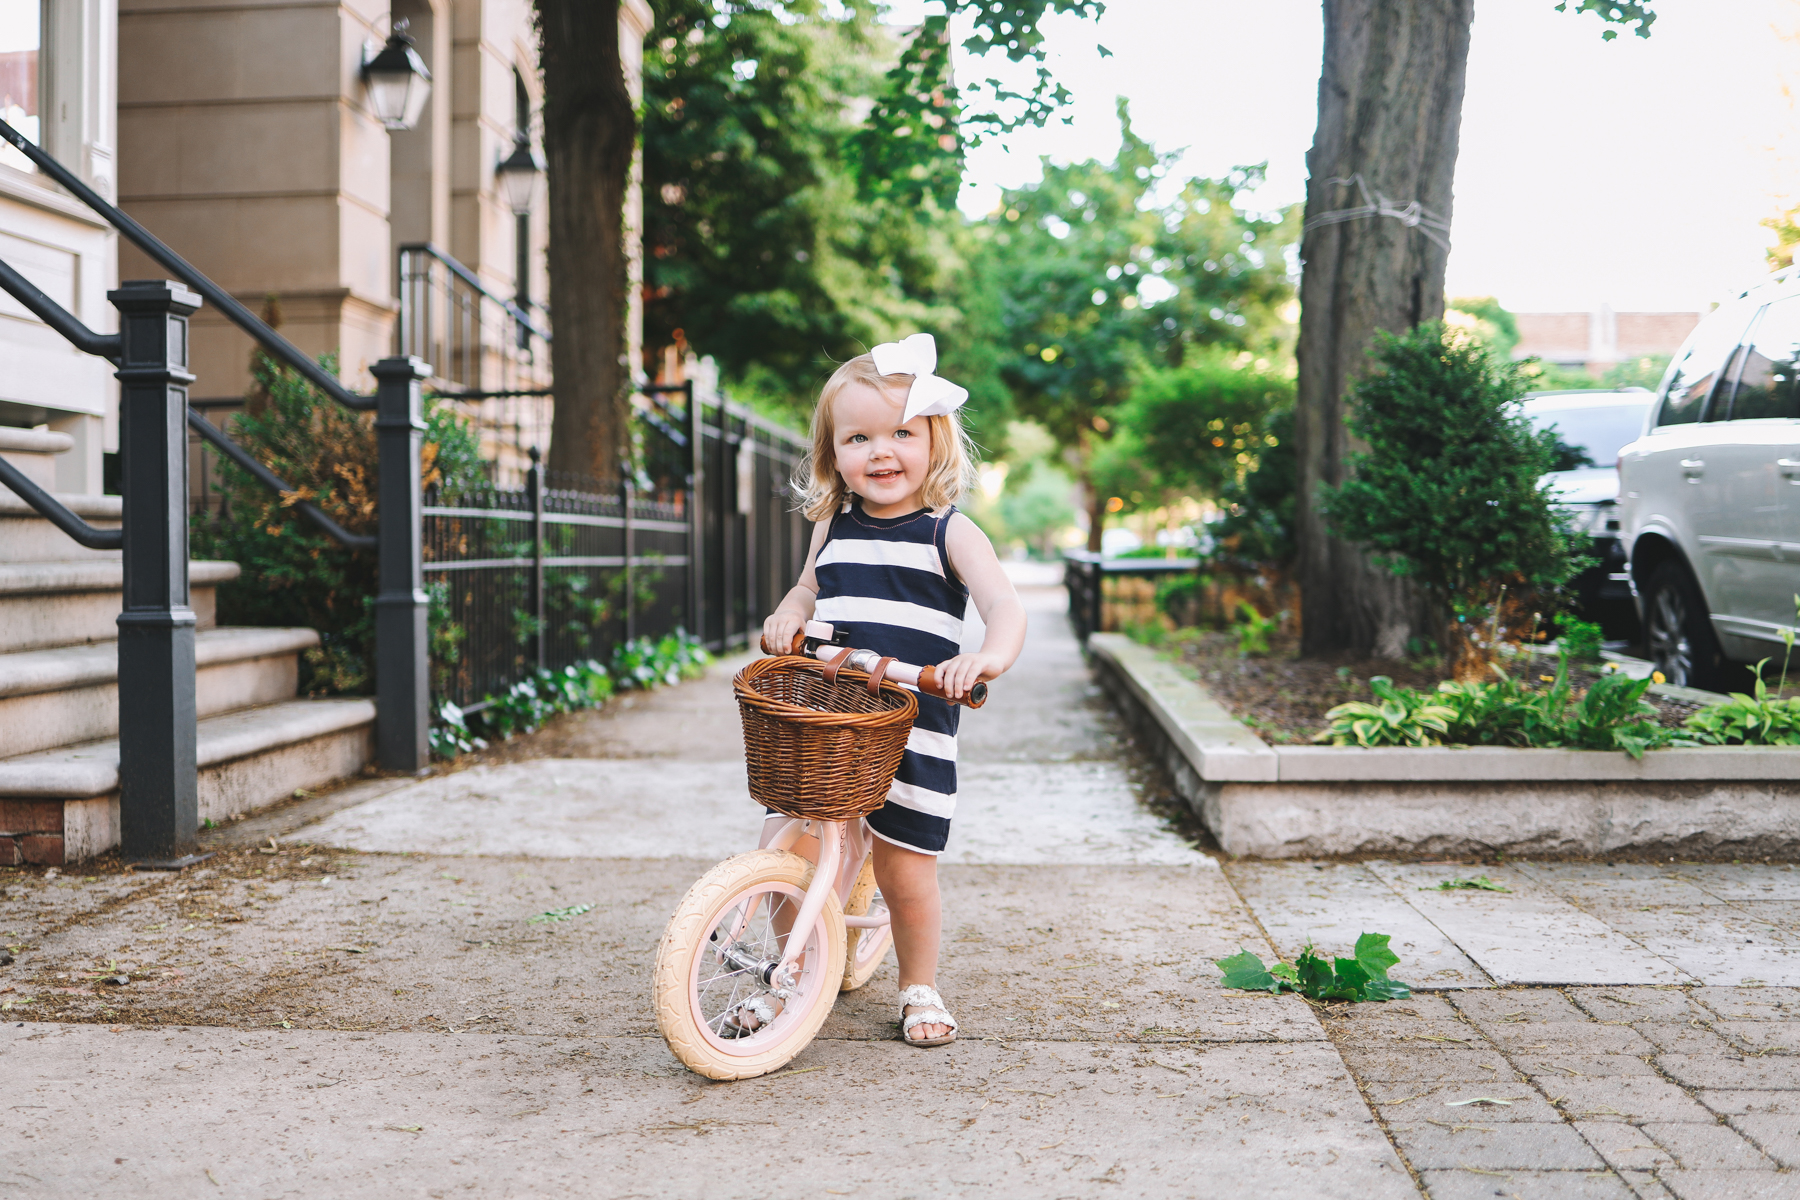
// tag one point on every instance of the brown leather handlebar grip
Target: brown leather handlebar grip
(798, 647)
(975, 697)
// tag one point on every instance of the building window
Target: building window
(21, 46)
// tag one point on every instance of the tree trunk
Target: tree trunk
(590, 133)
(1390, 105)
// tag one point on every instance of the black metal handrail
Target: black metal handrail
(473, 282)
(100, 345)
(244, 459)
(272, 342)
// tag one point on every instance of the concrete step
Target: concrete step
(70, 694)
(62, 805)
(27, 537)
(34, 452)
(66, 603)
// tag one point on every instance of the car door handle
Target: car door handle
(1790, 467)
(1693, 468)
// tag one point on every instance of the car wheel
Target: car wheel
(1679, 633)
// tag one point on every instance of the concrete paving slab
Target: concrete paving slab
(1620, 884)
(1732, 1071)
(308, 1113)
(1631, 1098)
(1732, 1102)
(1525, 1185)
(1625, 1147)
(1043, 813)
(1694, 1037)
(1763, 1037)
(1638, 1005)
(1570, 1038)
(1530, 935)
(1447, 1106)
(1549, 1068)
(1731, 1185)
(559, 808)
(1777, 1135)
(1517, 1146)
(1751, 1003)
(1332, 904)
(1718, 944)
(1426, 1067)
(1085, 812)
(1707, 1147)
(1744, 881)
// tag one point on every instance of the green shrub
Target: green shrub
(1448, 492)
(1364, 977)
(1582, 639)
(1177, 595)
(294, 573)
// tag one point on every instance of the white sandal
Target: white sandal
(736, 1023)
(931, 1012)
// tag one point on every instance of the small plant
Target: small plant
(1581, 640)
(642, 663)
(1399, 717)
(1364, 977)
(1146, 633)
(450, 735)
(1755, 720)
(1481, 883)
(1252, 630)
(560, 914)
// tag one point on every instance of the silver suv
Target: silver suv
(1709, 507)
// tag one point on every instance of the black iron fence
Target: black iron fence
(563, 570)
(1094, 581)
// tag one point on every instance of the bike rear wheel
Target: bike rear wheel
(864, 948)
(720, 950)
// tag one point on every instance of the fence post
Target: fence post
(627, 491)
(696, 513)
(159, 804)
(534, 483)
(402, 670)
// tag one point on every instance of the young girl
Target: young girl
(893, 562)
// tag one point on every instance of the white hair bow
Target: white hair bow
(930, 396)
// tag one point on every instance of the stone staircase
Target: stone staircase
(59, 695)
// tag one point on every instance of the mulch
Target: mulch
(1284, 697)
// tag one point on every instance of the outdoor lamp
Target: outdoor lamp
(398, 80)
(518, 175)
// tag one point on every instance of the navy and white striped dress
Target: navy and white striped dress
(888, 581)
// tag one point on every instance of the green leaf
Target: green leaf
(1285, 971)
(1245, 971)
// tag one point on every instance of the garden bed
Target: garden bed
(1281, 800)
(1284, 697)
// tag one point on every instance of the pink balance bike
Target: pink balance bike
(761, 945)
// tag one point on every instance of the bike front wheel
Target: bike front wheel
(721, 953)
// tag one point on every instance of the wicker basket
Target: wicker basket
(820, 750)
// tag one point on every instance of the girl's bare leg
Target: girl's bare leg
(908, 882)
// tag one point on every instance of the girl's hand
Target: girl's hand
(957, 675)
(780, 628)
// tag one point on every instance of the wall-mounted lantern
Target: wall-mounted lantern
(397, 79)
(518, 174)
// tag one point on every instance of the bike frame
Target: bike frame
(843, 845)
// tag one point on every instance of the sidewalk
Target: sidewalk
(369, 1009)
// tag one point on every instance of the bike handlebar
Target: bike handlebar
(923, 678)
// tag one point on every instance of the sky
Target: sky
(1632, 173)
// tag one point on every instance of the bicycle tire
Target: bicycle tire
(864, 949)
(681, 1000)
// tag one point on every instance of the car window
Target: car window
(1590, 435)
(1692, 378)
(1767, 385)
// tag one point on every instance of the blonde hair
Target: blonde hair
(950, 472)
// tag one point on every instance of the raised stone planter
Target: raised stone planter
(1295, 801)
